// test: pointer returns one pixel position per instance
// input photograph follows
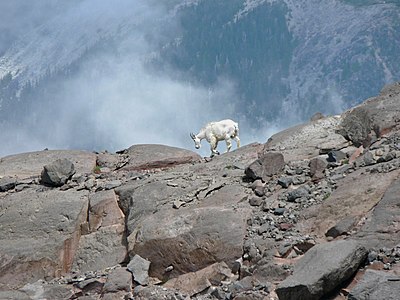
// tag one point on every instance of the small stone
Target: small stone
(297, 193)
(372, 256)
(285, 182)
(177, 204)
(336, 156)
(255, 201)
(279, 211)
(285, 226)
(7, 183)
(368, 158)
(139, 267)
(112, 184)
(259, 191)
(169, 268)
(264, 228)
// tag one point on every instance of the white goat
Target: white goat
(214, 132)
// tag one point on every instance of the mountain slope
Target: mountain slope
(81, 68)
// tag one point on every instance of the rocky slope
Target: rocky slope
(311, 214)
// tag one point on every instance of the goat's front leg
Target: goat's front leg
(228, 144)
(213, 145)
(237, 141)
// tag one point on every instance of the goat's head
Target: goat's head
(196, 140)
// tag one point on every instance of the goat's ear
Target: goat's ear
(192, 135)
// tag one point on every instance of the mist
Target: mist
(115, 99)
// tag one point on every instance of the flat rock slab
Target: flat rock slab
(103, 243)
(355, 195)
(376, 285)
(31, 164)
(382, 229)
(39, 233)
(322, 269)
(306, 140)
(101, 249)
(153, 156)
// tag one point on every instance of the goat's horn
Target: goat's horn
(192, 135)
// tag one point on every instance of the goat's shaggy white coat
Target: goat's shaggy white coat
(214, 132)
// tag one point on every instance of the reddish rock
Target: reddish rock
(285, 226)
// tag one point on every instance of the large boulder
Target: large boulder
(58, 172)
(321, 270)
(267, 165)
(356, 126)
(209, 228)
(376, 116)
(191, 239)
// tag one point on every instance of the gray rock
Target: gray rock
(190, 238)
(255, 201)
(100, 249)
(118, 279)
(112, 184)
(268, 164)
(139, 267)
(344, 226)
(259, 191)
(279, 211)
(322, 269)
(317, 168)
(380, 230)
(387, 157)
(41, 290)
(196, 282)
(285, 182)
(304, 141)
(356, 126)
(297, 193)
(13, 295)
(368, 158)
(336, 156)
(7, 183)
(376, 285)
(58, 172)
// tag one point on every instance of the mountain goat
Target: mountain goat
(214, 132)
